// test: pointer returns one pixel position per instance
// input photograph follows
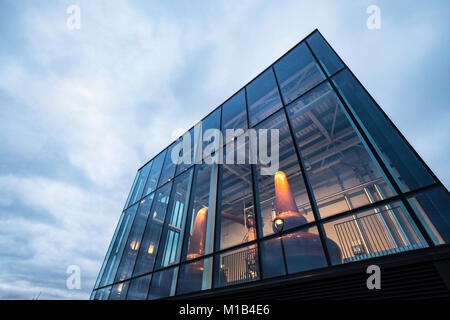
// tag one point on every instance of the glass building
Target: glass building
(349, 190)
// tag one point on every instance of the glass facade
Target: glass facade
(348, 187)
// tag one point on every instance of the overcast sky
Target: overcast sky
(82, 110)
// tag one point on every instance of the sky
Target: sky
(82, 109)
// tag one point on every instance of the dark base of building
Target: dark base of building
(420, 274)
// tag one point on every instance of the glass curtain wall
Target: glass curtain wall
(347, 187)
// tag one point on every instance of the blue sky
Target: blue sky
(82, 110)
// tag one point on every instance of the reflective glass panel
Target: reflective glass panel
(169, 166)
(140, 183)
(281, 193)
(172, 236)
(263, 97)
(371, 233)
(201, 220)
(326, 56)
(237, 212)
(118, 246)
(433, 209)
(134, 239)
(210, 143)
(195, 276)
(304, 250)
(163, 284)
(150, 241)
(234, 113)
(119, 291)
(339, 166)
(102, 294)
(130, 195)
(272, 259)
(154, 174)
(186, 156)
(297, 72)
(397, 156)
(237, 266)
(139, 288)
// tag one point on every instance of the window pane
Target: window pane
(304, 250)
(119, 291)
(263, 97)
(237, 266)
(118, 246)
(282, 194)
(384, 230)
(134, 239)
(326, 56)
(433, 209)
(297, 72)
(163, 284)
(396, 155)
(237, 213)
(234, 113)
(272, 258)
(189, 141)
(152, 233)
(155, 172)
(200, 232)
(140, 183)
(211, 122)
(195, 276)
(340, 168)
(172, 237)
(169, 166)
(130, 195)
(102, 294)
(139, 288)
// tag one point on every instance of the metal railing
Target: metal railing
(371, 236)
(240, 266)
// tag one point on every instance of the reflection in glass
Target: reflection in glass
(150, 241)
(119, 241)
(433, 209)
(272, 259)
(282, 194)
(195, 276)
(237, 212)
(376, 232)
(200, 227)
(339, 166)
(170, 247)
(102, 294)
(134, 239)
(119, 291)
(163, 284)
(263, 97)
(139, 288)
(297, 72)
(326, 56)
(398, 157)
(211, 122)
(140, 183)
(169, 166)
(237, 266)
(234, 113)
(304, 250)
(154, 174)
(183, 165)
